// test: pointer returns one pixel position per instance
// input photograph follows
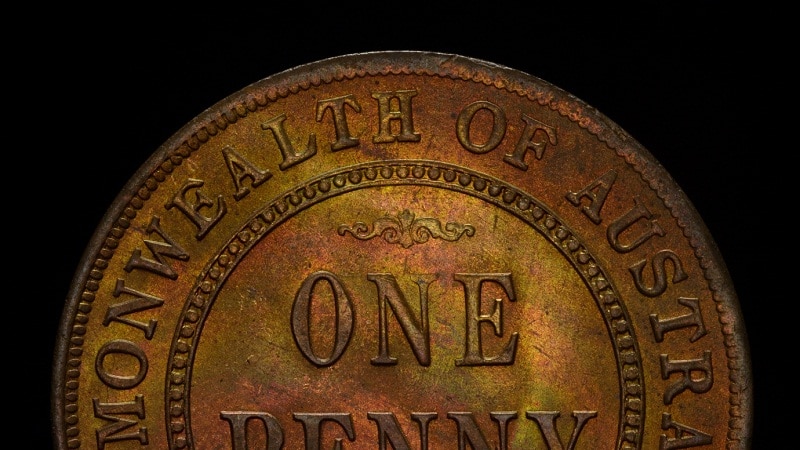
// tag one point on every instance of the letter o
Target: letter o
(301, 314)
(465, 120)
(123, 347)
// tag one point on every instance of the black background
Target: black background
(693, 85)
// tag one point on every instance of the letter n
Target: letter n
(416, 331)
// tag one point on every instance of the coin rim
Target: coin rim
(227, 111)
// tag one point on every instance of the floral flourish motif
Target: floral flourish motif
(407, 230)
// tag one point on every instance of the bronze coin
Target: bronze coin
(406, 249)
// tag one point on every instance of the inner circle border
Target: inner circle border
(402, 173)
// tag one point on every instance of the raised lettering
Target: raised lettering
(402, 114)
(336, 106)
(416, 332)
(121, 347)
(464, 122)
(113, 431)
(659, 273)
(312, 425)
(473, 353)
(141, 302)
(159, 249)
(301, 316)
(637, 213)
(290, 155)
(502, 418)
(422, 419)
(685, 437)
(531, 139)
(242, 169)
(389, 431)
(468, 431)
(238, 421)
(693, 319)
(596, 192)
(546, 420)
(687, 381)
(192, 210)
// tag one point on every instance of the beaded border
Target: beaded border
(401, 173)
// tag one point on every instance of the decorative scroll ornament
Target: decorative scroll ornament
(407, 230)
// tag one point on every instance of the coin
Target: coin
(408, 248)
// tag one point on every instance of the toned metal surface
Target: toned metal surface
(412, 248)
